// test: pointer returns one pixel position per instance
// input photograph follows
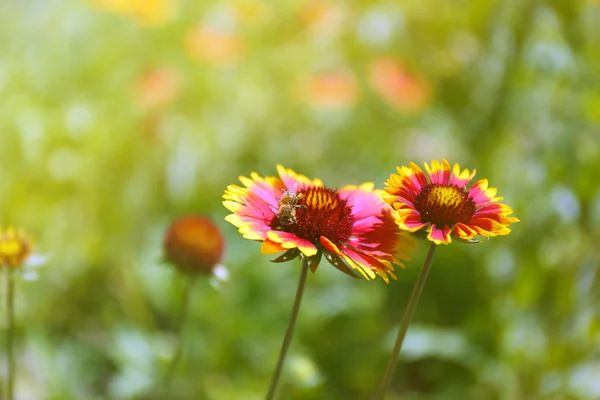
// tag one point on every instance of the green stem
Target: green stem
(185, 306)
(410, 309)
(10, 288)
(290, 330)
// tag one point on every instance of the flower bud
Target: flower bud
(194, 244)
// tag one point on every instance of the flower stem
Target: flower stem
(185, 306)
(10, 333)
(290, 330)
(408, 313)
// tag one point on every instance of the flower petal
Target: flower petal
(294, 181)
(270, 247)
(410, 220)
(439, 236)
(460, 179)
(289, 241)
(463, 231)
(407, 184)
(438, 173)
(365, 202)
(366, 262)
(481, 194)
(415, 175)
(486, 224)
(365, 271)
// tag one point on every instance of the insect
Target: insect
(287, 207)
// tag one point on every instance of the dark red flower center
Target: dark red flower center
(318, 211)
(444, 205)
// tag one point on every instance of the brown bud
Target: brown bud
(194, 244)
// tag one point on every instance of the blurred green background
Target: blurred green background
(118, 116)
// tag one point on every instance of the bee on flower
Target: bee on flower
(291, 214)
(287, 207)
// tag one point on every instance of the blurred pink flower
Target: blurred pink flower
(399, 88)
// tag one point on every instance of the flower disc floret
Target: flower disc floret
(444, 205)
(352, 227)
(440, 204)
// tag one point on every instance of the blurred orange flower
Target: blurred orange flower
(15, 248)
(194, 244)
(331, 90)
(399, 88)
(157, 88)
(144, 12)
(213, 45)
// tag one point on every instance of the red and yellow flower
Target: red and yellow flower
(352, 227)
(440, 204)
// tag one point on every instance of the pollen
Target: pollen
(444, 205)
(15, 247)
(320, 212)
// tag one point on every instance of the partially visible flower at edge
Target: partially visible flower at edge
(352, 227)
(15, 247)
(440, 204)
(16, 252)
(194, 244)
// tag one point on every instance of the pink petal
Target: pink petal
(480, 193)
(439, 173)
(365, 204)
(460, 179)
(416, 176)
(412, 222)
(439, 236)
(294, 181)
(289, 241)
(463, 231)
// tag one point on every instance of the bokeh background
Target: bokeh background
(118, 116)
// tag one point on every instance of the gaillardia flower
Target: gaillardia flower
(15, 248)
(440, 204)
(352, 227)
